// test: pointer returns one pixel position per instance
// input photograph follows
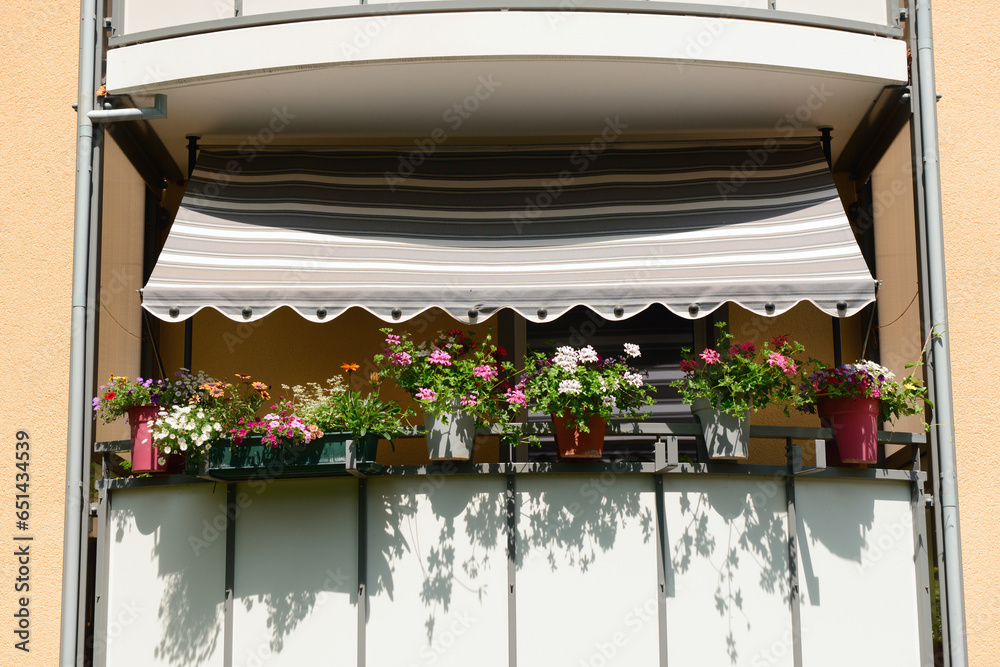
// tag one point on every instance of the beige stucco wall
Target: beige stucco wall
(968, 77)
(37, 152)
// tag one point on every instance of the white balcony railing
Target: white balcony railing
(134, 20)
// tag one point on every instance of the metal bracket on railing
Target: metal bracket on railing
(665, 453)
(797, 468)
(155, 112)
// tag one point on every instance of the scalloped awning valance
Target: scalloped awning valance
(534, 229)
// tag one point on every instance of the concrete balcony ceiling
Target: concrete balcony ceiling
(513, 75)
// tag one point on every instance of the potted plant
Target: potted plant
(211, 415)
(581, 390)
(141, 400)
(726, 382)
(351, 411)
(454, 380)
(852, 399)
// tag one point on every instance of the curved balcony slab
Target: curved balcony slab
(546, 74)
(680, 40)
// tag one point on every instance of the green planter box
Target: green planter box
(333, 454)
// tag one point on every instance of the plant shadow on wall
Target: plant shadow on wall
(840, 522)
(190, 608)
(755, 531)
(575, 521)
(449, 561)
(323, 548)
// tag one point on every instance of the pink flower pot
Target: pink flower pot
(572, 443)
(855, 425)
(146, 457)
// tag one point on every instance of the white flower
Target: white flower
(565, 358)
(570, 387)
(587, 354)
(610, 402)
(632, 350)
(634, 379)
(184, 447)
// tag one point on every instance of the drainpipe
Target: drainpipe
(940, 348)
(75, 445)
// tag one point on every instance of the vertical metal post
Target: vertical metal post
(362, 570)
(918, 507)
(93, 321)
(76, 447)
(103, 572)
(793, 555)
(192, 147)
(661, 570)
(939, 350)
(919, 206)
(227, 646)
(511, 509)
(838, 345)
(826, 138)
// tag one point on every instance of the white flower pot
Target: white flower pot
(726, 436)
(452, 441)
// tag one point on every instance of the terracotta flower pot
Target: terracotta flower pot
(572, 443)
(146, 457)
(855, 425)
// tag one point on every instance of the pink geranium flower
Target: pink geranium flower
(440, 357)
(711, 356)
(516, 397)
(401, 359)
(426, 394)
(485, 372)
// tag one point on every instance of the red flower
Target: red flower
(110, 395)
(780, 340)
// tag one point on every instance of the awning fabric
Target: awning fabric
(535, 229)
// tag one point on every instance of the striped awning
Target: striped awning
(535, 229)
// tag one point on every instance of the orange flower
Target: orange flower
(259, 386)
(242, 376)
(350, 367)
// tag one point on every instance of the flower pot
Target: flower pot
(146, 457)
(726, 436)
(572, 443)
(452, 441)
(855, 424)
(334, 454)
